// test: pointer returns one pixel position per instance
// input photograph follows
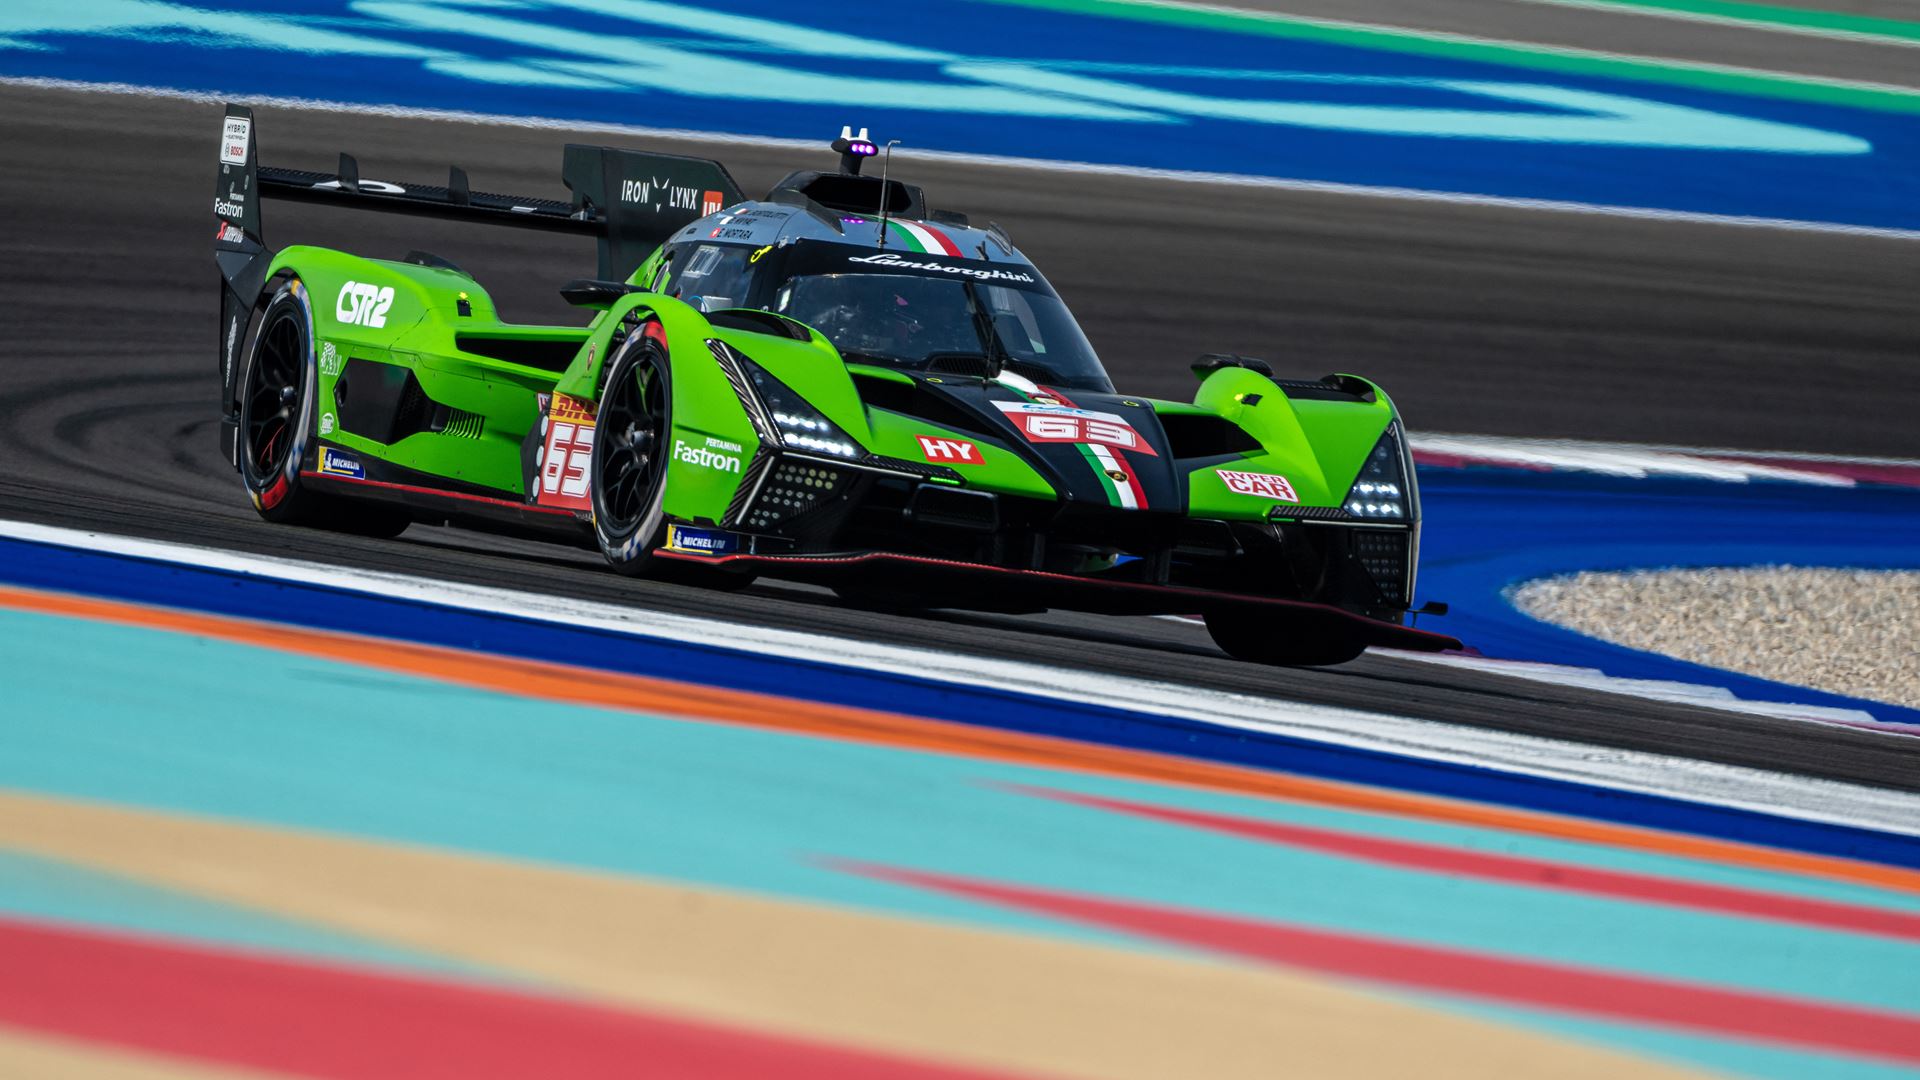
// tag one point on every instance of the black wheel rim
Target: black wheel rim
(632, 426)
(274, 386)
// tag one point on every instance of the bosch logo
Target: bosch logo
(360, 304)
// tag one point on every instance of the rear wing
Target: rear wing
(630, 200)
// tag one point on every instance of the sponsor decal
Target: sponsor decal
(978, 273)
(326, 423)
(701, 541)
(228, 209)
(335, 463)
(660, 193)
(234, 136)
(1265, 485)
(712, 202)
(706, 457)
(360, 304)
(1063, 424)
(723, 444)
(949, 451)
(233, 336)
(329, 359)
(228, 234)
(566, 456)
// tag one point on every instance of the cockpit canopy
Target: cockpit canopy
(903, 309)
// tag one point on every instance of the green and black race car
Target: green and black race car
(834, 384)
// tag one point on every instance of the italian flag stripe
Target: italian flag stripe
(923, 238)
(1115, 493)
(1126, 495)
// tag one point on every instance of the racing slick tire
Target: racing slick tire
(633, 425)
(1253, 637)
(277, 391)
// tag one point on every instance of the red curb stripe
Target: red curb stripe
(329, 1022)
(1538, 873)
(1763, 1018)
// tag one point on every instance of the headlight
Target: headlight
(1381, 492)
(800, 425)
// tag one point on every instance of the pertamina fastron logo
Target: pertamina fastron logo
(949, 451)
(706, 458)
(1265, 485)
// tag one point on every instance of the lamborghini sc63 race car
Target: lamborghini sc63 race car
(834, 384)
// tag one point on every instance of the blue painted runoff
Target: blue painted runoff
(979, 77)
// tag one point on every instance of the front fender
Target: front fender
(711, 440)
(1318, 446)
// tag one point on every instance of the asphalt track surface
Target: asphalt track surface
(1479, 319)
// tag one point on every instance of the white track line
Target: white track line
(1173, 176)
(1654, 774)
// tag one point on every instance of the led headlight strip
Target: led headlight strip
(1381, 491)
(780, 416)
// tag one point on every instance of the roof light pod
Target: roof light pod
(853, 149)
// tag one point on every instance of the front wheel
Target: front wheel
(632, 436)
(1253, 637)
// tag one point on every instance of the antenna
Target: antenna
(884, 162)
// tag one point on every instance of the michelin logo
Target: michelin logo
(705, 458)
(335, 463)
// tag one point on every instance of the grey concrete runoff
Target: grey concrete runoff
(1845, 631)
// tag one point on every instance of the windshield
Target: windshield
(963, 326)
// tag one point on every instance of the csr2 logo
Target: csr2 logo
(363, 305)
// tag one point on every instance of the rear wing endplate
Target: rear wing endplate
(629, 200)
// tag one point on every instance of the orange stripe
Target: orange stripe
(586, 686)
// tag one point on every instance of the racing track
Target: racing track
(1480, 319)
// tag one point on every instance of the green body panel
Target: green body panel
(422, 324)
(1319, 446)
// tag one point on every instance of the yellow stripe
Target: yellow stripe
(985, 998)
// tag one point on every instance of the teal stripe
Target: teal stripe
(1762, 84)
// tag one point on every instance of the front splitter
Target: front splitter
(991, 588)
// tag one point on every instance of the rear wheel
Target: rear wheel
(1252, 637)
(276, 401)
(276, 422)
